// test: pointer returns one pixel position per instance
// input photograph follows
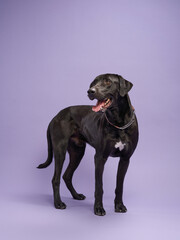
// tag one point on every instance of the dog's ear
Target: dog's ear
(124, 86)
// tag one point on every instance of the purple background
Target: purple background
(50, 51)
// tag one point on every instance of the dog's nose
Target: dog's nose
(91, 91)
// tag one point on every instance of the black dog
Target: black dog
(110, 127)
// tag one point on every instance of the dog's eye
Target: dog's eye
(107, 82)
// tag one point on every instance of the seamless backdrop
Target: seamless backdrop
(50, 51)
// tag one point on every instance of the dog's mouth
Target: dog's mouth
(102, 105)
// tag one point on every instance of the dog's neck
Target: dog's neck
(121, 112)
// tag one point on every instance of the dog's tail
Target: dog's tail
(50, 151)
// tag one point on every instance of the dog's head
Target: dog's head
(106, 88)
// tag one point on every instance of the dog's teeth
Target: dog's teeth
(107, 101)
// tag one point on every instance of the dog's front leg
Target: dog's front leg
(99, 168)
(122, 169)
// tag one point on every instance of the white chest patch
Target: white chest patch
(120, 145)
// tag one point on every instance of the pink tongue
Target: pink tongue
(98, 106)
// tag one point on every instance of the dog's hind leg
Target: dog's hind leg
(76, 151)
(59, 157)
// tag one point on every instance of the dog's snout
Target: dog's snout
(91, 91)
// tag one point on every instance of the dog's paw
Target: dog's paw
(99, 211)
(60, 205)
(79, 197)
(120, 208)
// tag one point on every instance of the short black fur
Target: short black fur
(75, 126)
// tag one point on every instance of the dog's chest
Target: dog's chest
(118, 144)
(116, 147)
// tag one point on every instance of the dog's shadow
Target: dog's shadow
(33, 199)
(46, 200)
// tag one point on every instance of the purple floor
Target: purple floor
(151, 198)
(32, 217)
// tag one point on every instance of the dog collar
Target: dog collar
(125, 126)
